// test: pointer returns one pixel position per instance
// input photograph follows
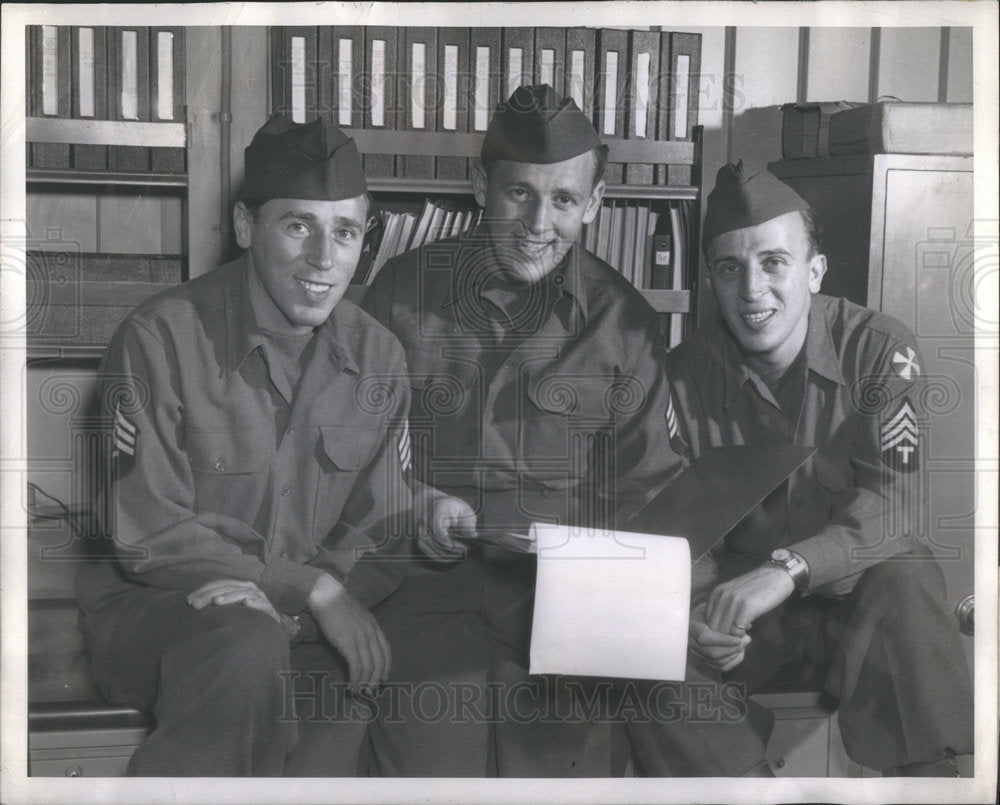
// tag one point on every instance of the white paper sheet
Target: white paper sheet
(610, 603)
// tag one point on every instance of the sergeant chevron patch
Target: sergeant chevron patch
(403, 445)
(900, 439)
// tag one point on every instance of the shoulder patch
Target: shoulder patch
(904, 363)
(900, 439)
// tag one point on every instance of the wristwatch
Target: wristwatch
(796, 566)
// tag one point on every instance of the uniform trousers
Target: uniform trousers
(892, 658)
(229, 696)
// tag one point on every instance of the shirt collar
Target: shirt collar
(820, 355)
(565, 280)
(243, 334)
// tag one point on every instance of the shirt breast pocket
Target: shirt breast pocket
(230, 470)
(568, 417)
(343, 453)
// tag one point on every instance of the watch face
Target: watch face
(781, 555)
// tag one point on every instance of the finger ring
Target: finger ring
(742, 628)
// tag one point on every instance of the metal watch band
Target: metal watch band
(796, 566)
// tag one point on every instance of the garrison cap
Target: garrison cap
(535, 125)
(311, 161)
(746, 196)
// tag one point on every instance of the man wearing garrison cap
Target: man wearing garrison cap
(829, 571)
(538, 395)
(258, 478)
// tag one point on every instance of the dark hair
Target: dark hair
(600, 163)
(814, 231)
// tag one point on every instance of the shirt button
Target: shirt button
(220, 465)
(290, 431)
(285, 491)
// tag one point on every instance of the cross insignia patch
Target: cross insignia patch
(905, 364)
(900, 439)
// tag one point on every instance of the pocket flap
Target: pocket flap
(349, 448)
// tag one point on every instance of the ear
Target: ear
(817, 268)
(594, 202)
(242, 225)
(479, 183)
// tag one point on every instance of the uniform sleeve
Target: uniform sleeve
(374, 523)
(874, 514)
(160, 537)
(650, 450)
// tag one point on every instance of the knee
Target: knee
(904, 590)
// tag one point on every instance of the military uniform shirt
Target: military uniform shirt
(564, 419)
(855, 502)
(205, 451)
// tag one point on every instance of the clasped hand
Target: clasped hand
(718, 627)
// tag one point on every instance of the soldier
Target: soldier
(257, 483)
(539, 394)
(828, 568)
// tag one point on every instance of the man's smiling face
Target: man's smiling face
(763, 278)
(535, 212)
(304, 252)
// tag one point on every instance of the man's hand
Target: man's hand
(734, 605)
(352, 630)
(233, 591)
(438, 517)
(723, 652)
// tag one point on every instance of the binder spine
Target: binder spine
(49, 69)
(293, 72)
(453, 95)
(643, 98)
(485, 77)
(610, 99)
(90, 91)
(340, 75)
(167, 103)
(518, 59)
(128, 81)
(550, 57)
(420, 97)
(682, 116)
(581, 72)
(380, 92)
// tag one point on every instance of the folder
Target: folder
(720, 487)
(49, 74)
(684, 71)
(166, 81)
(612, 49)
(90, 91)
(340, 60)
(293, 72)
(453, 98)
(379, 93)
(518, 59)
(550, 57)
(128, 91)
(581, 49)
(643, 98)
(417, 61)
